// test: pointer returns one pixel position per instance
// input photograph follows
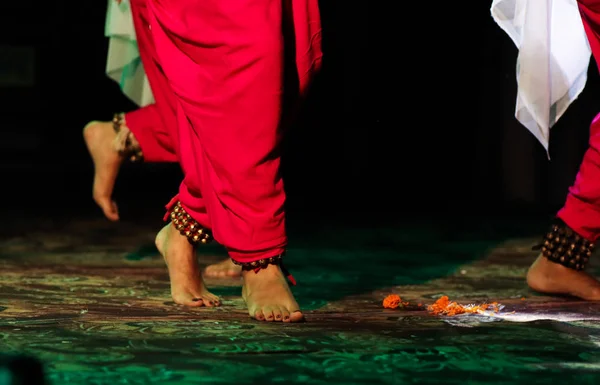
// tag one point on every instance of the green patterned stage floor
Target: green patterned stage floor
(90, 299)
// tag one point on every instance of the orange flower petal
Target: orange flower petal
(392, 301)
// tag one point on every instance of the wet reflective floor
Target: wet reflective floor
(91, 300)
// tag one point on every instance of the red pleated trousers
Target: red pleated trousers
(154, 126)
(224, 65)
(582, 207)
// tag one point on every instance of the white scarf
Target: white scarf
(553, 59)
(123, 63)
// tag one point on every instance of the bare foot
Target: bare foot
(187, 286)
(551, 278)
(268, 296)
(225, 268)
(99, 137)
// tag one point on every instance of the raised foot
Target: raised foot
(187, 285)
(551, 278)
(225, 268)
(99, 138)
(268, 296)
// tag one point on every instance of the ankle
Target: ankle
(125, 142)
(178, 239)
(268, 273)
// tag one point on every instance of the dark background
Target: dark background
(413, 115)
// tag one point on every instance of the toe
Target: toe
(277, 314)
(259, 315)
(208, 302)
(190, 302)
(199, 301)
(212, 299)
(268, 312)
(111, 211)
(108, 207)
(285, 315)
(296, 316)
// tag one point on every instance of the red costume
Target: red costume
(220, 67)
(153, 126)
(581, 211)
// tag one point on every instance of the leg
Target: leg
(581, 213)
(302, 35)
(175, 241)
(226, 72)
(559, 269)
(156, 131)
(177, 247)
(108, 151)
(152, 127)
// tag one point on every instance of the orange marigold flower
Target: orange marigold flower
(444, 306)
(392, 301)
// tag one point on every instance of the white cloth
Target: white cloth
(123, 63)
(553, 59)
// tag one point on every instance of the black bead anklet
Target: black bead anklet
(564, 246)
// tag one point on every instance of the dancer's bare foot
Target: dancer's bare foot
(99, 138)
(268, 296)
(225, 268)
(552, 278)
(187, 286)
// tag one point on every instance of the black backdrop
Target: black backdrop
(412, 114)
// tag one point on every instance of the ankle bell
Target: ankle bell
(187, 226)
(125, 143)
(564, 246)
